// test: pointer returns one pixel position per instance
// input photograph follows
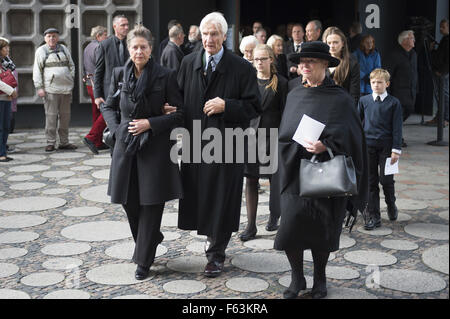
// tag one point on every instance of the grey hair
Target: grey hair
(250, 39)
(318, 24)
(98, 30)
(402, 36)
(175, 31)
(217, 19)
(140, 31)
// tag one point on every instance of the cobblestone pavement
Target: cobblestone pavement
(61, 238)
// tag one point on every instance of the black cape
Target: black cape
(317, 223)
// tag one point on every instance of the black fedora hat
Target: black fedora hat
(51, 30)
(314, 49)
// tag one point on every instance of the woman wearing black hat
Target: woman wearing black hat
(316, 224)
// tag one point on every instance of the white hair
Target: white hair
(250, 39)
(402, 36)
(217, 19)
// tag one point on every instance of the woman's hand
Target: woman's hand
(316, 147)
(137, 127)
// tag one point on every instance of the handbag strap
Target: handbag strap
(313, 159)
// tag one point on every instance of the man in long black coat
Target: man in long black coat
(220, 92)
(402, 64)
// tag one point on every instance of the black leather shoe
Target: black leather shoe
(213, 269)
(392, 212)
(90, 145)
(372, 223)
(248, 235)
(142, 272)
(272, 225)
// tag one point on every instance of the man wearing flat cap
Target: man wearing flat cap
(53, 77)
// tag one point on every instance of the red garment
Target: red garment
(98, 123)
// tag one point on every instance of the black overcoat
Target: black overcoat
(213, 191)
(404, 75)
(159, 177)
(317, 223)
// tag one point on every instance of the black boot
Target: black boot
(298, 281)
(319, 290)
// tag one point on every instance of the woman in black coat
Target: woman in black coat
(276, 43)
(306, 223)
(347, 74)
(143, 176)
(273, 90)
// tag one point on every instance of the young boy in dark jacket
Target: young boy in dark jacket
(381, 116)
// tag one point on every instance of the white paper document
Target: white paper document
(390, 169)
(308, 130)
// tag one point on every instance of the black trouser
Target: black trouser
(377, 160)
(145, 223)
(216, 248)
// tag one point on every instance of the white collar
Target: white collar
(217, 57)
(382, 96)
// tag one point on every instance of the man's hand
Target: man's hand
(316, 147)
(99, 101)
(41, 93)
(214, 106)
(167, 109)
(394, 158)
(293, 69)
(137, 127)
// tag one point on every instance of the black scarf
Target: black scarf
(137, 89)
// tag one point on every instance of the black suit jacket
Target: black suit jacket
(172, 56)
(106, 59)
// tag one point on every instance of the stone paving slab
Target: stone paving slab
(83, 248)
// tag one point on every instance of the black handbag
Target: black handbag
(333, 178)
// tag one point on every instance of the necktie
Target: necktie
(378, 99)
(297, 48)
(210, 69)
(121, 53)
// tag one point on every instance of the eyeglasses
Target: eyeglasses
(261, 59)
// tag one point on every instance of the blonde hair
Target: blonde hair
(273, 39)
(273, 69)
(380, 73)
(343, 69)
